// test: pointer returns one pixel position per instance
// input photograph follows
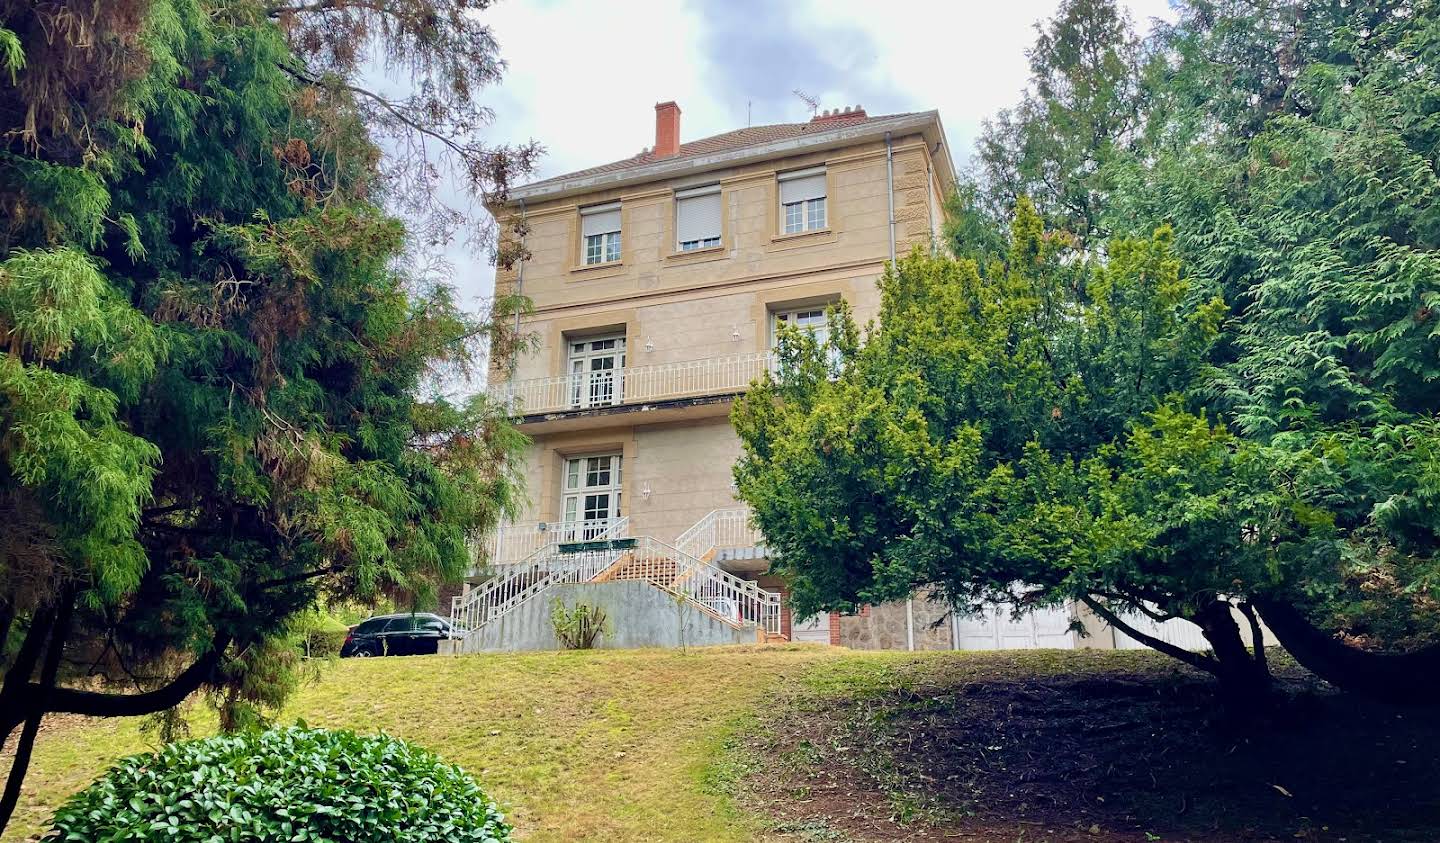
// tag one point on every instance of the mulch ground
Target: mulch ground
(1091, 746)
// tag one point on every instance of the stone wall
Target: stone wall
(888, 626)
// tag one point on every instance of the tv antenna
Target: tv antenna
(813, 103)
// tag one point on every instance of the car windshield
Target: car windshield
(370, 627)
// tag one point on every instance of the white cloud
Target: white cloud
(583, 77)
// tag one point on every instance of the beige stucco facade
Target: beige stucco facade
(715, 304)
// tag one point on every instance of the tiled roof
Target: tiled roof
(726, 141)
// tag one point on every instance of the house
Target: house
(658, 285)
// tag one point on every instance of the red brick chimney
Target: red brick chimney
(857, 113)
(667, 129)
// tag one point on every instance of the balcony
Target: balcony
(635, 386)
(514, 543)
(724, 537)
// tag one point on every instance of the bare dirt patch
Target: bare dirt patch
(1086, 746)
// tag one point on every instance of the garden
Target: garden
(1174, 353)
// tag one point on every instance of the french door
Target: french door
(595, 368)
(590, 496)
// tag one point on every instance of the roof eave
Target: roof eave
(562, 187)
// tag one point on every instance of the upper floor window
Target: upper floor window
(697, 218)
(802, 200)
(600, 233)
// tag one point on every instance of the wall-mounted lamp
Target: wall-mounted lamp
(649, 346)
(645, 491)
(735, 333)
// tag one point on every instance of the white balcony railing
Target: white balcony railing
(516, 542)
(638, 384)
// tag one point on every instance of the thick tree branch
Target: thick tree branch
(17, 678)
(97, 704)
(326, 6)
(394, 110)
(26, 745)
(294, 578)
(1257, 636)
(1158, 617)
(1195, 660)
(1394, 677)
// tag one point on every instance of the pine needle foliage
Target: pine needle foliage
(217, 389)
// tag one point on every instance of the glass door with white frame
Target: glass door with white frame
(590, 496)
(595, 366)
(811, 320)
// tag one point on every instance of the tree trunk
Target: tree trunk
(1244, 677)
(60, 631)
(7, 618)
(1412, 678)
(17, 678)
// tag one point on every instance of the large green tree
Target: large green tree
(1084, 105)
(1298, 158)
(1025, 427)
(1248, 420)
(215, 389)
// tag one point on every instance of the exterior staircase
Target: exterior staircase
(682, 570)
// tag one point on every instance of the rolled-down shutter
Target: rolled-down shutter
(600, 219)
(697, 214)
(801, 185)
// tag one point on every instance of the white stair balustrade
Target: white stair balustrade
(741, 603)
(720, 528)
(738, 601)
(544, 568)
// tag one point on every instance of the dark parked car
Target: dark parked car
(397, 635)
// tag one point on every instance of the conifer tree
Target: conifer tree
(216, 392)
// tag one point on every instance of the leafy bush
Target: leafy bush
(291, 783)
(578, 628)
(320, 635)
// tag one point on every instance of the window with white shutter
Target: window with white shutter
(697, 218)
(802, 200)
(600, 233)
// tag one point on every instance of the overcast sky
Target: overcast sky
(584, 76)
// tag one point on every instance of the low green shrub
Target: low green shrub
(318, 634)
(291, 783)
(578, 628)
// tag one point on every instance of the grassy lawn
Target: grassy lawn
(623, 745)
(818, 744)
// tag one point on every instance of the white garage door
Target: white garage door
(1177, 631)
(1180, 632)
(996, 629)
(814, 630)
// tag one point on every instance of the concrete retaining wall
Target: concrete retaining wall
(640, 615)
